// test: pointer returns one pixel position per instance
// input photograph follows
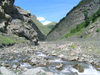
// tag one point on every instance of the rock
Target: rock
(80, 68)
(5, 65)
(49, 73)
(97, 67)
(73, 54)
(5, 71)
(23, 31)
(33, 62)
(39, 61)
(2, 14)
(60, 66)
(37, 71)
(15, 67)
(17, 22)
(7, 5)
(61, 55)
(23, 12)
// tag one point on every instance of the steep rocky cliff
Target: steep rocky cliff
(73, 18)
(16, 21)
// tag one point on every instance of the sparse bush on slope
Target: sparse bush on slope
(87, 22)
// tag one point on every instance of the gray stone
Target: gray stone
(60, 66)
(37, 71)
(16, 21)
(5, 71)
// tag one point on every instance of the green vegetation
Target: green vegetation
(51, 25)
(86, 23)
(75, 30)
(73, 46)
(57, 24)
(86, 18)
(44, 29)
(6, 40)
(95, 16)
(85, 36)
(98, 30)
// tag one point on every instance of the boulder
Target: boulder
(39, 61)
(21, 29)
(60, 66)
(79, 67)
(7, 5)
(37, 71)
(16, 21)
(5, 71)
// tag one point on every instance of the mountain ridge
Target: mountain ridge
(73, 18)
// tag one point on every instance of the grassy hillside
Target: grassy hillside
(44, 29)
(73, 21)
(81, 27)
(9, 39)
(51, 25)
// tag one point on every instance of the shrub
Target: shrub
(98, 30)
(87, 22)
(6, 40)
(75, 30)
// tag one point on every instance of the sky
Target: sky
(47, 11)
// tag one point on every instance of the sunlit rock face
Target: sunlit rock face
(16, 21)
(7, 5)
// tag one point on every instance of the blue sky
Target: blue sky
(48, 10)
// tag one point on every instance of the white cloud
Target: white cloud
(41, 18)
(46, 22)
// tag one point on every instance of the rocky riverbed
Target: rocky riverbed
(48, 58)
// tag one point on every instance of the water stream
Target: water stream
(68, 67)
(59, 67)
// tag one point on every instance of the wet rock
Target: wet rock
(25, 65)
(14, 66)
(37, 61)
(80, 68)
(97, 67)
(60, 66)
(37, 71)
(5, 64)
(5, 71)
(33, 61)
(75, 73)
(61, 56)
(75, 58)
(43, 64)
(49, 73)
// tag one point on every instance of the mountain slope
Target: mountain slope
(73, 18)
(42, 28)
(45, 29)
(51, 25)
(90, 31)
